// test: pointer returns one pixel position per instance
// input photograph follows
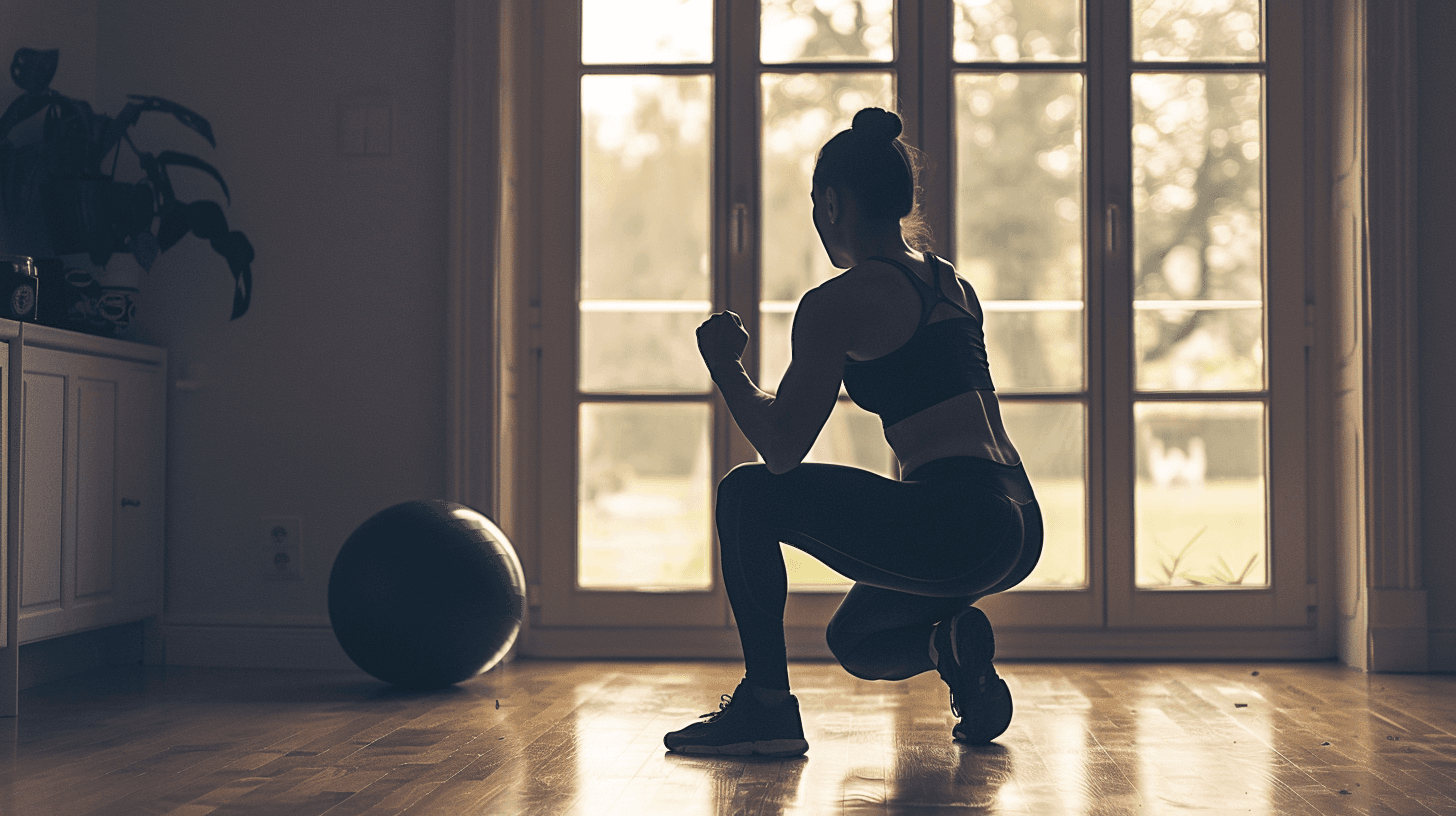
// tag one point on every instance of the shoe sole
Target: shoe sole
(771, 748)
(994, 717)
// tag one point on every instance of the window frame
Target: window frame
(1287, 341)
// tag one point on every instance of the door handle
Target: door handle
(739, 228)
(1113, 229)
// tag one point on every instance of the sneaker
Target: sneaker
(743, 726)
(978, 696)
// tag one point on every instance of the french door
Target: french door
(1122, 183)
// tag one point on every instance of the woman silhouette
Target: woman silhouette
(903, 333)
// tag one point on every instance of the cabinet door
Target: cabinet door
(91, 492)
(44, 491)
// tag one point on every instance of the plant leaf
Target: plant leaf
(242, 291)
(236, 248)
(206, 220)
(130, 113)
(144, 248)
(25, 106)
(238, 251)
(133, 204)
(186, 116)
(116, 128)
(74, 133)
(1247, 568)
(157, 175)
(173, 225)
(172, 157)
(33, 70)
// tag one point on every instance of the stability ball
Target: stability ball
(425, 594)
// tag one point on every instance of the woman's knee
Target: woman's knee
(855, 658)
(840, 641)
(743, 483)
(742, 478)
(844, 644)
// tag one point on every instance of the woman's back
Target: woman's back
(924, 373)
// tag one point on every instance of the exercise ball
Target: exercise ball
(425, 594)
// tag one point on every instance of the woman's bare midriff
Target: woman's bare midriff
(965, 425)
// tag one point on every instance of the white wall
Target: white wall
(326, 402)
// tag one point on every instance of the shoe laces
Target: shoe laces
(725, 700)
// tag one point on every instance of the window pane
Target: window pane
(1018, 30)
(1019, 221)
(853, 437)
(646, 31)
(642, 346)
(646, 163)
(1051, 438)
(1031, 349)
(1198, 230)
(1225, 30)
(1199, 345)
(1200, 500)
(800, 113)
(644, 497)
(827, 30)
(646, 168)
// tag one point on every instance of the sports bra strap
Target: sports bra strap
(920, 286)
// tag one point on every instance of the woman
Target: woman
(903, 334)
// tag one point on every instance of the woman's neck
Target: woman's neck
(877, 240)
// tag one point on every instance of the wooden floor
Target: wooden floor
(555, 737)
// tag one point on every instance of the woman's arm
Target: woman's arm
(782, 428)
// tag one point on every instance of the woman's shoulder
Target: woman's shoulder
(864, 284)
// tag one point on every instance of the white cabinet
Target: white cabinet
(92, 424)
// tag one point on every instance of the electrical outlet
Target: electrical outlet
(282, 549)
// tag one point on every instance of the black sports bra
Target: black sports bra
(940, 360)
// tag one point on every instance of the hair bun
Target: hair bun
(877, 124)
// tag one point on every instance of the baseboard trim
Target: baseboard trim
(1442, 643)
(46, 661)
(1022, 644)
(314, 647)
(254, 647)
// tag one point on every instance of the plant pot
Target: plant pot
(78, 213)
(83, 299)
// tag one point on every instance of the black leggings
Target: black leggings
(919, 550)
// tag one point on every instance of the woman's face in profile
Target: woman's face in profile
(823, 225)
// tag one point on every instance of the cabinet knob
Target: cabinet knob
(131, 503)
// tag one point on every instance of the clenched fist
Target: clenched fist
(721, 340)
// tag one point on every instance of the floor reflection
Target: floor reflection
(948, 776)
(564, 737)
(1212, 745)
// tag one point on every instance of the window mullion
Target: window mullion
(737, 200)
(1109, 299)
(935, 119)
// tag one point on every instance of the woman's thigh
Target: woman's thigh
(926, 538)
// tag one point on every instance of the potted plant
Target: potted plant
(64, 184)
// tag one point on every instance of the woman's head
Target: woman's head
(871, 163)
